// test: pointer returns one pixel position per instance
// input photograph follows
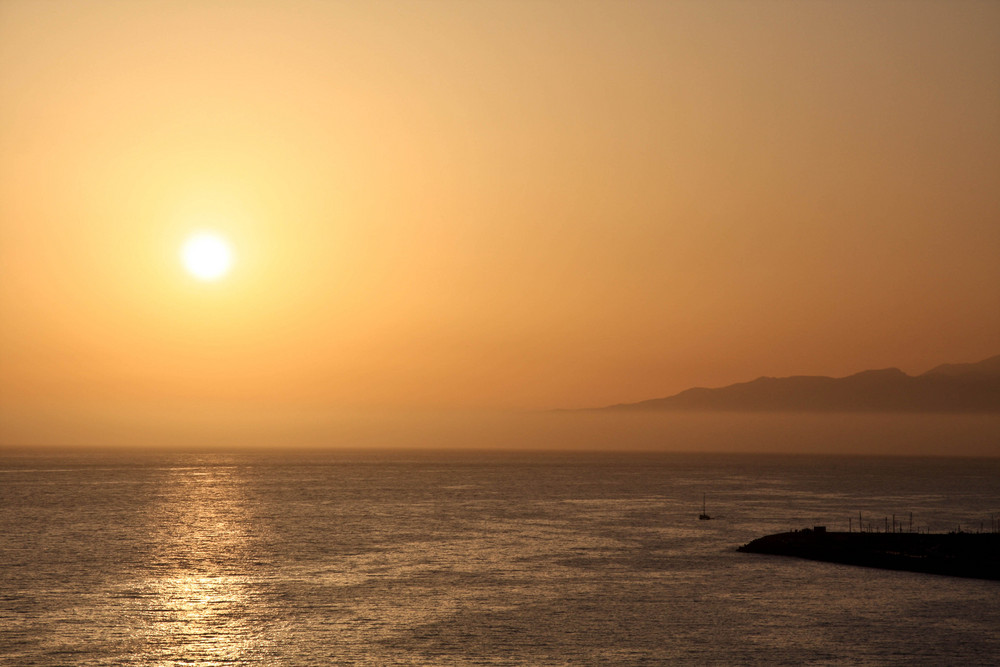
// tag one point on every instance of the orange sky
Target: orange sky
(440, 205)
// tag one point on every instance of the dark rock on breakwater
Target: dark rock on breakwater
(974, 555)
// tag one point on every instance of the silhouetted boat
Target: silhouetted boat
(704, 513)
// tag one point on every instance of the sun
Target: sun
(207, 256)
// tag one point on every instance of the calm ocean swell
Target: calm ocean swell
(475, 558)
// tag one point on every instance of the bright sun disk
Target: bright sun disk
(207, 256)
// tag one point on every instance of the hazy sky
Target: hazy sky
(487, 204)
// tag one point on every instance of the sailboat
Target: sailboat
(704, 513)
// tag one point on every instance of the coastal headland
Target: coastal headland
(959, 554)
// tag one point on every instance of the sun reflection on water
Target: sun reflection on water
(198, 603)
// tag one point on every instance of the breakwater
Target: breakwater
(974, 555)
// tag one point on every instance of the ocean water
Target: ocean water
(455, 558)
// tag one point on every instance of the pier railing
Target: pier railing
(887, 525)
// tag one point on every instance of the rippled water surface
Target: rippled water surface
(462, 558)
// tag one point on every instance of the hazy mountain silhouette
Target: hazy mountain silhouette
(956, 388)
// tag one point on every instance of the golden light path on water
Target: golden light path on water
(212, 594)
(198, 603)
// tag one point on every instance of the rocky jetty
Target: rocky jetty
(974, 555)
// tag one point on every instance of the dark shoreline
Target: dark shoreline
(974, 555)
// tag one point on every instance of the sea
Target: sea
(478, 558)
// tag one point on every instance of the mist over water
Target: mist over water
(787, 433)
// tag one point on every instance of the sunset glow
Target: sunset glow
(528, 332)
(482, 205)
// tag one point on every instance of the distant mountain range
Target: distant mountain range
(949, 388)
